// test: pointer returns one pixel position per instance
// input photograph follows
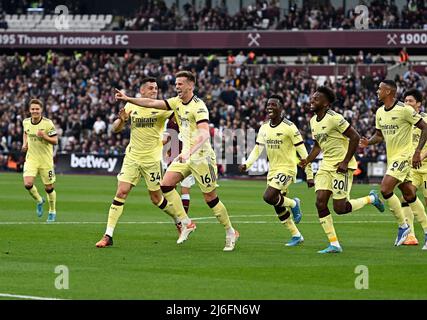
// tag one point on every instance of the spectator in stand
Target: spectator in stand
(99, 126)
(403, 56)
(240, 58)
(331, 57)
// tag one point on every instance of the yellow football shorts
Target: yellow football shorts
(419, 179)
(338, 183)
(47, 174)
(204, 171)
(280, 180)
(132, 171)
(400, 169)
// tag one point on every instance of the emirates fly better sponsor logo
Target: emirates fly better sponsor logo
(93, 162)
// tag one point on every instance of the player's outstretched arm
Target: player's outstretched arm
(416, 159)
(375, 139)
(142, 102)
(253, 156)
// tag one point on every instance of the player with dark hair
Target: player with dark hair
(338, 141)
(394, 123)
(197, 157)
(142, 159)
(283, 142)
(414, 98)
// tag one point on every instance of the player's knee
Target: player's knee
(270, 199)
(210, 196)
(386, 193)
(166, 189)
(409, 195)
(28, 186)
(321, 204)
(49, 190)
(342, 207)
(122, 193)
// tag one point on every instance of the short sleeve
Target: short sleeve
(261, 136)
(51, 130)
(377, 121)
(295, 134)
(341, 124)
(202, 113)
(128, 107)
(411, 115)
(167, 114)
(311, 128)
(172, 103)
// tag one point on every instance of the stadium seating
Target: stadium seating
(46, 23)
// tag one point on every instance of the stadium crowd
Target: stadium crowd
(267, 14)
(78, 91)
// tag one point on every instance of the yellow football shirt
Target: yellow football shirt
(147, 126)
(396, 126)
(280, 142)
(328, 132)
(40, 152)
(416, 134)
(188, 115)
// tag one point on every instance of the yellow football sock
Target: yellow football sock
(288, 202)
(396, 209)
(116, 210)
(168, 209)
(290, 225)
(359, 203)
(328, 226)
(177, 208)
(419, 212)
(409, 215)
(220, 213)
(35, 194)
(52, 201)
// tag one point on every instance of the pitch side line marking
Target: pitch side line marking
(7, 295)
(202, 222)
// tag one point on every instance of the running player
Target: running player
(414, 99)
(283, 142)
(39, 138)
(338, 141)
(394, 123)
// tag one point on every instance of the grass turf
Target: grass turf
(146, 263)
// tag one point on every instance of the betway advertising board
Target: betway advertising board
(88, 163)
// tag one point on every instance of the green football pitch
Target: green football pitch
(146, 263)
